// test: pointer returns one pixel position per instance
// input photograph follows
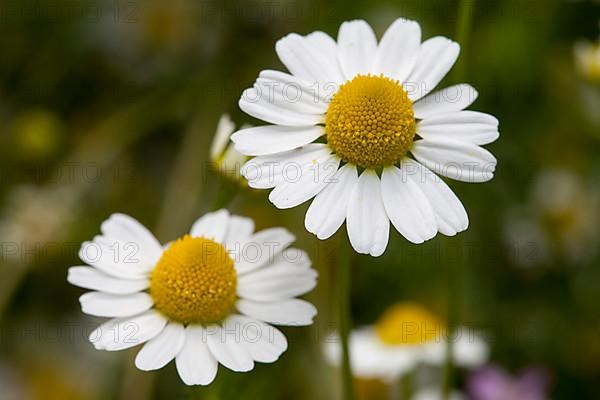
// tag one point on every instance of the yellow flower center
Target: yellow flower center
(194, 281)
(370, 121)
(408, 324)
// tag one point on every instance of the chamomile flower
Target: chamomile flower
(225, 158)
(406, 335)
(355, 126)
(205, 299)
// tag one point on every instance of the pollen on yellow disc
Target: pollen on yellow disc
(370, 121)
(408, 324)
(194, 282)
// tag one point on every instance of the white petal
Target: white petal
(312, 57)
(91, 278)
(227, 349)
(160, 350)
(367, 223)
(464, 126)
(123, 333)
(261, 248)
(328, 210)
(407, 206)
(293, 312)
(211, 226)
(308, 181)
(453, 98)
(461, 161)
(450, 215)
(268, 171)
(270, 139)
(276, 282)
(238, 231)
(301, 95)
(398, 50)
(436, 57)
(195, 363)
(256, 102)
(225, 128)
(123, 228)
(357, 46)
(263, 342)
(113, 305)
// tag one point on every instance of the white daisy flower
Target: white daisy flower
(203, 299)
(380, 131)
(406, 336)
(225, 158)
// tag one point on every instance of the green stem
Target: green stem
(454, 275)
(344, 316)
(406, 385)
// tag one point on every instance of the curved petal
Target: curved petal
(238, 231)
(451, 99)
(293, 312)
(261, 248)
(357, 47)
(212, 225)
(328, 210)
(123, 333)
(91, 278)
(460, 161)
(123, 228)
(265, 172)
(436, 57)
(195, 363)
(225, 128)
(312, 57)
(256, 102)
(113, 305)
(276, 282)
(304, 96)
(226, 348)
(263, 342)
(406, 206)
(398, 50)
(367, 223)
(450, 215)
(161, 349)
(271, 139)
(305, 183)
(464, 126)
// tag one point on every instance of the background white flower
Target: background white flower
(385, 137)
(406, 336)
(204, 299)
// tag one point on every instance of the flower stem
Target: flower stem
(344, 315)
(454, 275)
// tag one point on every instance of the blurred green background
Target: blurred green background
(112, 105)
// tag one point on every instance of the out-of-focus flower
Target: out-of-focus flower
(225, 158)
(203, 300)
(587, 59)
(364, 137)
(36, 215)
(434, 393)
(494, 383)
(560, 219)
(37, 133)
(406, 335)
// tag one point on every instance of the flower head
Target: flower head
(203, 299)
(355, 126)
(406, 335)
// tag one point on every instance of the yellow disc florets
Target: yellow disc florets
(194, 281)
(370, 121)
(408, 324)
